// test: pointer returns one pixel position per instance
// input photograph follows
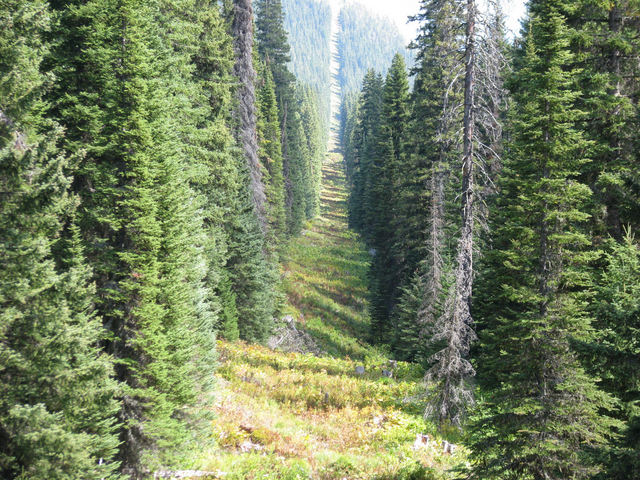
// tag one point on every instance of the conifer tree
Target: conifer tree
(297, 171)
(124, 84)
(544, 411)
(274, 49)
(363, 151)
(608, 49)
(271, 155)
(615, 355)
(390, 153)
(316, 146)
(450, 367)
(246, 107)
(57, 395)
(214, 155)
(425, 225)
(252, 272)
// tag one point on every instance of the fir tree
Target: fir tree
(216, 172)
(390, 152)
(608, 49)
(363, 151)
(273, 47)
(544, 412)
(615, 355)
(252, 274)
(269, 137)
(427, 217)
(450, 368)
(128, 108)
(316, 147)
(297, 171)
(57, 405)
(246, 107)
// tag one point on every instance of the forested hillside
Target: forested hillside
(308, 23)
(193, 286)
(366, 41)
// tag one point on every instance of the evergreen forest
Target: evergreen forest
(271, 239)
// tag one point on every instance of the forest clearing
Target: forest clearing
(301, 416)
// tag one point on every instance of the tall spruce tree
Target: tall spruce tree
(426, 219)
(450, 368)
(270, 151)
(214, 156)
(544, 412)
(363, 152)
(390, 153)
(608, 49)
(316, 146)
(246, 107)
(273, 47)
(125, 78)
(614, 357)
(57, 395)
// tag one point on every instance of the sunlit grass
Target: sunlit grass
(314, 417)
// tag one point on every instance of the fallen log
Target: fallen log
(187, 474)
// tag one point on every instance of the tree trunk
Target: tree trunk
(247, 130)
(464, 276)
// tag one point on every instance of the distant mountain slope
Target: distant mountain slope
(366, 41)
(309, 25)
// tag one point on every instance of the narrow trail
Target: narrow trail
(292, 416)
(326, 273)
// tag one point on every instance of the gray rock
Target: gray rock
(448, 448)
(387, 373)
(288, 338)
(422, 441)
(360, 370)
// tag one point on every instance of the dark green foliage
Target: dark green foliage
(608, 48)
(216, 174)
(129, 110)
(390, 153)
(544, 412)
(57, 405)
(362, 153)
(228, 323)
(297, 170)
(315, 134)
(269, 138)
(425, 218)
(301, 142)
(407, 333)
(617, 352)
(273, 47)
(252, 273)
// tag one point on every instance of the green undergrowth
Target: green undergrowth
(325, 276)
(298, 416)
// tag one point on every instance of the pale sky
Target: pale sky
(399, 10)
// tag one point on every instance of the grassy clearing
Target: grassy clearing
(325, 276)
(307, 417)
